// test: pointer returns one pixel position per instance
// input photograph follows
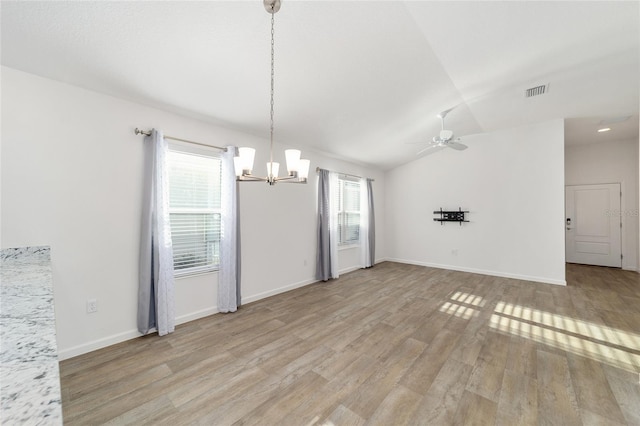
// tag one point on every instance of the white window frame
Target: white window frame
(342, 215)
(191, 149)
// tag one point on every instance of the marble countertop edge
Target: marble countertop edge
(29, 369)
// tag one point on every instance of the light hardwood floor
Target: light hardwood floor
(391, 345)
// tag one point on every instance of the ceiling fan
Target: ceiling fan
(444, 139)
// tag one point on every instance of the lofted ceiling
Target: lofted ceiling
(357, 79)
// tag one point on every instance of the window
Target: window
(194, 211)
(348, 212)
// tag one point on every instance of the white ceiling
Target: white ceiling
(584, 130)
(362, 80)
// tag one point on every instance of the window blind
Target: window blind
(348, 211)
(194, 210)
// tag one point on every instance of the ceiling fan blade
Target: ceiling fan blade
(429, 150)
(458, 146)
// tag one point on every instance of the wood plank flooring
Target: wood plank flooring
(391, 345)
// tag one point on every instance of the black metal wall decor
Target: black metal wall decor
(451, 216)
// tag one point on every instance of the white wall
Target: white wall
(512, 183)
(71, 176)
(611, 162)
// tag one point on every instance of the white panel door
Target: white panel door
(593, 234)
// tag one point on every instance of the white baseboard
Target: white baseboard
(289, 287)
(196, 315)
(482, 271)
(132, 334)
(97, 344)
(349, 269)
(275, 291)
(127, 335)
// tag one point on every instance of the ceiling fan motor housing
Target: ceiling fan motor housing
(446, 135)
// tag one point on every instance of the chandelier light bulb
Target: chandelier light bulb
(246, 159)
(293, 160)
(273, 169)
(303, 171)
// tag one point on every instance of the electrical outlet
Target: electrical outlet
(92, 306)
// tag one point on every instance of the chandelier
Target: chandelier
(297, 168)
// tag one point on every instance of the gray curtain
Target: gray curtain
(156, 302)
(367, 224)
(327, 253)
(229, 276)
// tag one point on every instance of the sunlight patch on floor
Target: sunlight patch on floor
(316, 419)
(459, 311)
(468, 299)
(599, 342)
(463, 306)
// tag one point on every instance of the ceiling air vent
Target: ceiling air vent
(535, 91)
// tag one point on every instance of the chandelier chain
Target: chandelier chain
(272, 85)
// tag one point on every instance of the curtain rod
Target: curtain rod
(344, 174)
(148, 133)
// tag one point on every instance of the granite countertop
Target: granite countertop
(29, 374)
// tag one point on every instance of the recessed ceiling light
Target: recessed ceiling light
(606, 129)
